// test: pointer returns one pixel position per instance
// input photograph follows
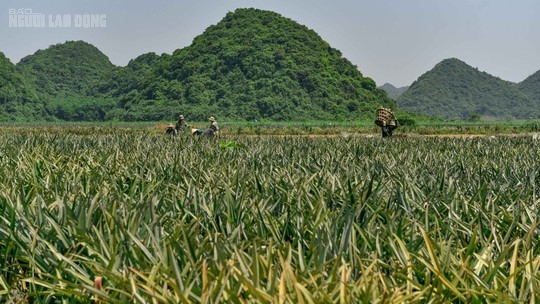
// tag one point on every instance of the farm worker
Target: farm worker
(212, 130)
(181, 125)
(387, 121)
(170, 130)
(213, 126)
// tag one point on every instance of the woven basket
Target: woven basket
(384, 116)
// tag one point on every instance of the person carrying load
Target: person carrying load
(387, 121)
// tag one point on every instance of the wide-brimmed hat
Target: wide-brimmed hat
(212, 118)
(170, 125)
(181, 117)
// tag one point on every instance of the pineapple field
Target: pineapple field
(267, 219)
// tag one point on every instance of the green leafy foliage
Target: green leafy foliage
(81, 108)
(229, 144)
(18, 101)
(407, 120)
(455, 90)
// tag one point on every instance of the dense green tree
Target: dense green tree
(81, 108)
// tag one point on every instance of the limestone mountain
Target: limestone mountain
(455, 90)
(65, 69)
(63, 77)
(253, 64)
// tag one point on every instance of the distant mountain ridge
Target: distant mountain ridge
(252, 65)
(455, 90)
(392, 91)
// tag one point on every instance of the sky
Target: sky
(390, 41)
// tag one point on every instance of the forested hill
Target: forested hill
(18, 101)
(253, 64)
(531, 86)
(455, 90)
(67, 69)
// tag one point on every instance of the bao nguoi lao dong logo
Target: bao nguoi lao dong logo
(26, 17)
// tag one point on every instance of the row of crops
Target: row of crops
(267, 219)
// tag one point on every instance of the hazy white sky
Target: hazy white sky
(392, 41)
